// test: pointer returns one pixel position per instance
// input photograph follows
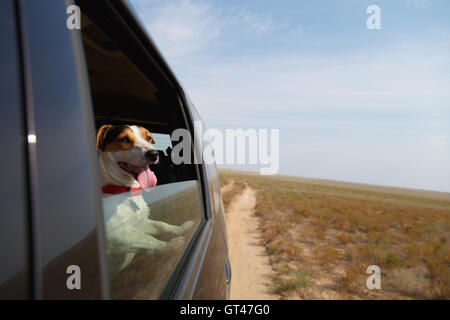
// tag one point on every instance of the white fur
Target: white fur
(112, 174)
(130, 229)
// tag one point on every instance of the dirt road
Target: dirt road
(251, 269)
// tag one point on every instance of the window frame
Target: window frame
(117, 20)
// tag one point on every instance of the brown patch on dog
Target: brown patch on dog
(117, 145)
(108, 138)
(146, 135)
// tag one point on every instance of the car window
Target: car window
(152, 208)
(146, 235)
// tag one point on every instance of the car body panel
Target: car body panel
(61, 219)
(66, 215)
(14, 250)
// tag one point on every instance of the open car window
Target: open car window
(149, 229)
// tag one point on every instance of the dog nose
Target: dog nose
(152, 155)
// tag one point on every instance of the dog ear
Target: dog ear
(101, 135)
(152, 141)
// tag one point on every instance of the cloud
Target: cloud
(261, 24)
(403, 79)
(419, 3)
(187, 28)
(182, 27)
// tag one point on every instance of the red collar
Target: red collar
(110, 189)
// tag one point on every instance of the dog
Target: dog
(124, 154)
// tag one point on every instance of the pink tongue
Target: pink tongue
(146, 178)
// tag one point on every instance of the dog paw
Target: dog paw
(187, 225)
(177, 243)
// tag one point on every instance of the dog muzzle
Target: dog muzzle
(146, 180)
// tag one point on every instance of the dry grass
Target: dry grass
(322, 238)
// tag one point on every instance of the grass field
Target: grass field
(322, 235)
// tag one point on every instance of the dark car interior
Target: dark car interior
(123, 94)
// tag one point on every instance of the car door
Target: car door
(140, 89)
(65, 211)
(15, 264)
(67, 217)
(216, 256)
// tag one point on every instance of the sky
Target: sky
(351, 104)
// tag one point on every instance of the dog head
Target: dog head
(125, 155)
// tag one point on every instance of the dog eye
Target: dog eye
(124, 140)
(149, 138)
